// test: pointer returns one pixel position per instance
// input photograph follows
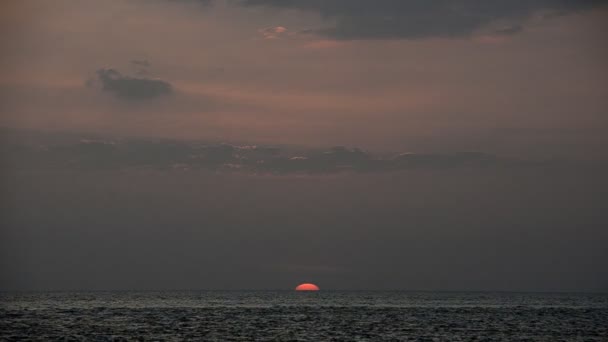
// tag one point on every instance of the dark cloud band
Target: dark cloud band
(166, 154)
(403, 19)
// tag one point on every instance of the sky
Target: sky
(258, 144)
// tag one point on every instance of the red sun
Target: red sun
(307, 287)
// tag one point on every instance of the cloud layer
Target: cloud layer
(397, 19)
(99, 153)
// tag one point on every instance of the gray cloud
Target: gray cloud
(140, 62)
(102, 153)
(128, 87)
(509, 30)
(398, 19)
(444, 159)
(201, 2)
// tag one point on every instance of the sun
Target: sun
(307, 287)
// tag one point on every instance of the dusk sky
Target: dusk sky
(356, 144)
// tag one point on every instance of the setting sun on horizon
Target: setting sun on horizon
(307, 287)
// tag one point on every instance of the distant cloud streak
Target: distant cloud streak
(188, 155)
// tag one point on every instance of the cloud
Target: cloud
(411, 160)
(33, 150)
(140, 62)
(275, 32)
(398, 19)
(200, 2)
(26, 149)
(509, 30)
(133, 88)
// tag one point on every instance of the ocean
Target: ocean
(302, 316)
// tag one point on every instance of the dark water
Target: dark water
(291, 316)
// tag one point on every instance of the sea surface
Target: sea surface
(297, 316)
